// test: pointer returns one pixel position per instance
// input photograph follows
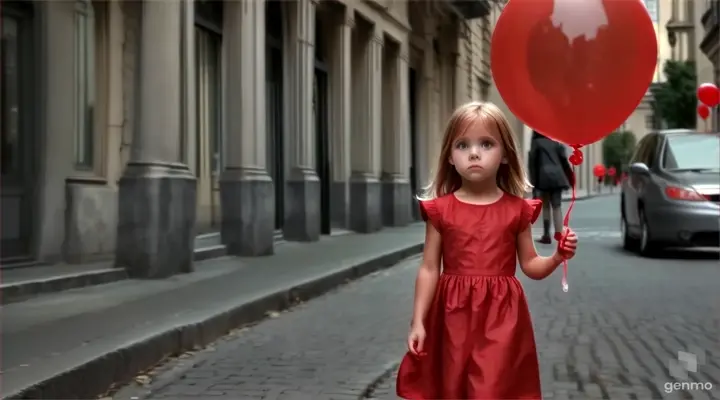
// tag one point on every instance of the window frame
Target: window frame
(207, 35)
(92, 128)
(643, 154)
(215, 140)
(650, 121)
(483, 88)
(662, 153)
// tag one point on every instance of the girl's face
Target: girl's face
(478, 153)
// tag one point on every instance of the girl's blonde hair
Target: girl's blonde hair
(511, 177)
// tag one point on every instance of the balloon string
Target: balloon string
(575, 159)
(566, 223)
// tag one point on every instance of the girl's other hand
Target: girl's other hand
(416, 340)
(568, 244)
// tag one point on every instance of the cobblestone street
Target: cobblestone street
(613, 336)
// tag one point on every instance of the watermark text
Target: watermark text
(671, 387)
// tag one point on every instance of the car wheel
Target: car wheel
(647, 247)
(629, 243)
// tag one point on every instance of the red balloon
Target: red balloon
(708, 94)
(611, 171)
(703, 111)
(599, 171)
(573, 70)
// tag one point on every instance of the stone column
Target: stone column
(427, 109)
(302, 198)
(459, 81)
(396, 194)
(341, 116)
(156, 211)
(365, 189)
(247, 195)
(460, 74)
(430, 108)
(189, 110)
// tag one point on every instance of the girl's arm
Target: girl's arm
(533, 265)
(428, 274)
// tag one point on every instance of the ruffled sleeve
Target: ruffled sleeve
(430, 212)
(530, 212)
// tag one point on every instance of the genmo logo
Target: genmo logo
(670, 387)
(687, 361)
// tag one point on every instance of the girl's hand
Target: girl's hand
(416, 340)
(568, 244)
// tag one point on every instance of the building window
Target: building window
(84, 83)
(650, 121)
(11, 109)
(208, 82)
(483, 89)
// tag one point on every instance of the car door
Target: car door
(636, 182)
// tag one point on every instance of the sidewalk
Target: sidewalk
(78, 343)
(580, 194)
(585, 195)
(18, 284)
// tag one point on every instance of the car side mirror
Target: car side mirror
(640, 169)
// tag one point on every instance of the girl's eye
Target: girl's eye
(487, 145)
(461, 145)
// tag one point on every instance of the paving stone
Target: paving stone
(611, 337)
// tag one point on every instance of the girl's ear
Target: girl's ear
(451, 161)
(504, 160)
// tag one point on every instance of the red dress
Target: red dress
(480, 342)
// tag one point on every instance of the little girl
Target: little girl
(471, 336)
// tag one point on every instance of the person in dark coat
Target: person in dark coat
(550, 175)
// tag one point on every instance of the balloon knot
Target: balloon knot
(576, 158)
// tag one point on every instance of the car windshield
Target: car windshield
(698, 151)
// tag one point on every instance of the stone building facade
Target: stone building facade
(686, 30)
(663, 14)
(132, 126)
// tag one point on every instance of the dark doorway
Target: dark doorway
(322, 135)
(208, 92)
(412, 76)
(274, 95)
(16, 115)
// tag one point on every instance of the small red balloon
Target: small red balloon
(708, 94)
(703, 111)
(599, 171)
(576, 158)
(611, 171)
(573, 70)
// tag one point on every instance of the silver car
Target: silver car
(671, 197)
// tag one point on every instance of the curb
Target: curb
(95, 376)
(19, 291)
(592, 196)
(370, 389)
(585, 197)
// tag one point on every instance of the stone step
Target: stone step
(24, 281)
(19, 284)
